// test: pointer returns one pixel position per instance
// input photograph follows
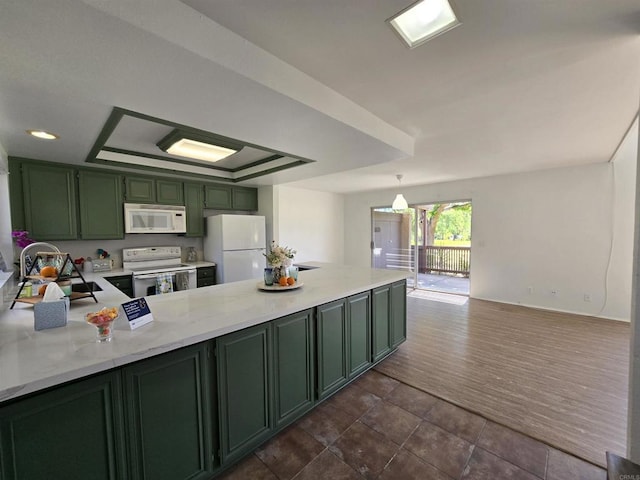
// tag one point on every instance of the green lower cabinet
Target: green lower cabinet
(332, 347)
(398, 313)
(75, 432)
(244, 390)
(168, 405)
(381, 318)
(293, 361)
(359, 333)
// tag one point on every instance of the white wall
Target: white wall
(310, 222)
(6, 242)
(550, 230)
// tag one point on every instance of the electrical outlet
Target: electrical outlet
(554, 293)
(587, 297)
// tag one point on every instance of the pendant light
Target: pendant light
(399, 203)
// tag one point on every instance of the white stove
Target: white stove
(150, 264)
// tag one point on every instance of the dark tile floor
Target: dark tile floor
(379, 428)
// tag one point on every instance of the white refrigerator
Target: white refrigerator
(236, 243)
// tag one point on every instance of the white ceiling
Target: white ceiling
(518, 86)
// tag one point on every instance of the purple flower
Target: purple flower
(22, 238)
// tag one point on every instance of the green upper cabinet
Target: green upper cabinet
(73, 432)
(140, 189)
(359, 333)
(332, 347)
(244, 198)
(169, 192)
(50, 204)
(244, 390)
(217, 196)
(100, 195)
(168, 406)
(293, 360)
(226, 197)
(16, 197)
(194, 203)
(153, 190)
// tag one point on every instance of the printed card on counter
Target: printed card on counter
(136, 313)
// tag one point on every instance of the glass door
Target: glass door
(391, 244)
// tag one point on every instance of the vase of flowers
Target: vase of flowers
(279, 259)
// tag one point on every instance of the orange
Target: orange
(291, 281)
(48, 271)
(42, 289)
(283, 281)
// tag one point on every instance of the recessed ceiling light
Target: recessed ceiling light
(42, 134)
(423, 20)
(198, 146)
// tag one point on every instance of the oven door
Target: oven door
(144, 284)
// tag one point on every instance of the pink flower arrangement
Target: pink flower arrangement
(22, 238)
(280, 256)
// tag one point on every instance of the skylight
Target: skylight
(423, 20)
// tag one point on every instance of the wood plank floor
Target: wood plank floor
(557, 377)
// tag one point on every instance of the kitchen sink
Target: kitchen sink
(86, 287)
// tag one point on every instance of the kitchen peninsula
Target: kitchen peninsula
(219, 370)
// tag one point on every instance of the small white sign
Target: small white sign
(136, 313)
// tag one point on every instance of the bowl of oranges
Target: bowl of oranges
(284, 283)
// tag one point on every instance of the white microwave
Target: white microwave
(141, 218)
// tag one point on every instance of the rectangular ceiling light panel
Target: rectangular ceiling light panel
(202, 151)
(424, 20)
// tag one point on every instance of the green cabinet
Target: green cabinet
(50, 203)
(153, 190)
(389, 322)
(124, 283)
(169, 192)
(244, 390)
(72, 432)
(205, 276)
(293, 361)
(225, 197)
(331, 327)
(101, 200)
(140, 189)
(194, 206)
(398, 331)
(168, 406)
(244, 198)
(16, 196)
(217, 196)
(359, 333)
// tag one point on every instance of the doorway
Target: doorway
(432, 242)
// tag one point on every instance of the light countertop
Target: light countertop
(33, 360)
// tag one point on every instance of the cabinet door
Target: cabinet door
(381, 317)
(50, 204)
(194, 204)
(167, 403)
(124, 283)
(244, 387)
(169, 192)
(140, 189)
(101, 214)
(72, 432)
(205, 276)
(217, 196)
(332, 347)
(359, 333)
(398, 313)
(293, 360)
(245, 198)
